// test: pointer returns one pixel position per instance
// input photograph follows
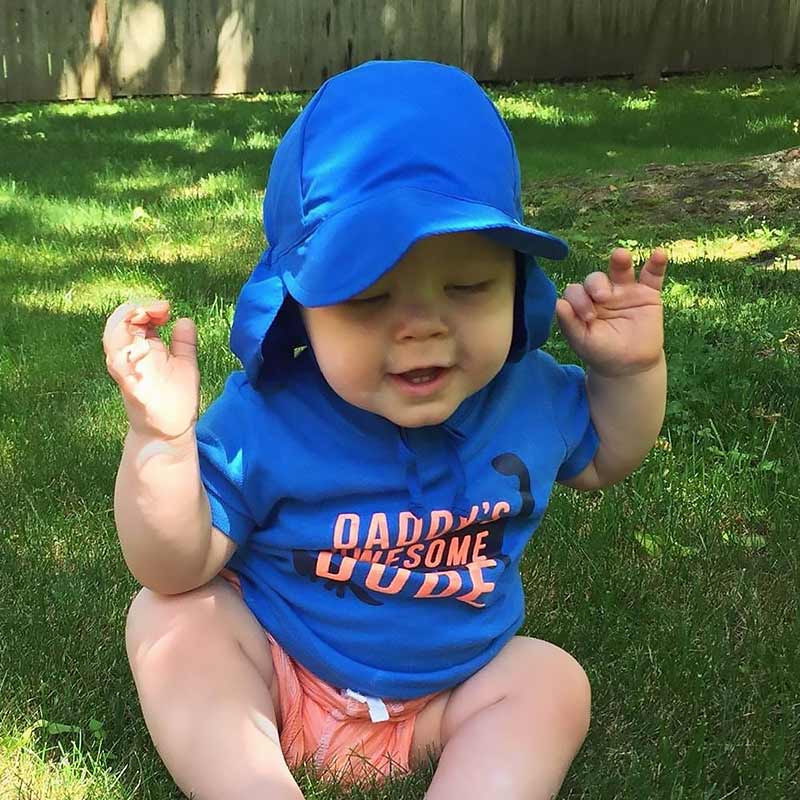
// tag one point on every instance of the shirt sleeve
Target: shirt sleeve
(571, 409)
(221, 433)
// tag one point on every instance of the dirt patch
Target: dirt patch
(762, 187)
(757, 187)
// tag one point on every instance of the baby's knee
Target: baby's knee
(146, 615)
(575, 691)
(208, 622)
(156, 624)
(568, 689)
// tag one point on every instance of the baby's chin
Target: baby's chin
(420, 416)
(406, 414)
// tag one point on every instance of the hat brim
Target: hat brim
(351, 250)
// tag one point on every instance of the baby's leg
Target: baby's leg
(203, 671)
(512, 729)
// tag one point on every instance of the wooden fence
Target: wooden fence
(98, 48)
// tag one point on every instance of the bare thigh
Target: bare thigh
(216, 608)
(203, 670)
(508, 674)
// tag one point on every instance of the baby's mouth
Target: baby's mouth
(417, 376)
(423, 382)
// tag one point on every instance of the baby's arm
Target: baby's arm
(614, 322)
(160, 506)
(627, 413)
(163, 517)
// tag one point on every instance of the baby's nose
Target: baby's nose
(421, 319)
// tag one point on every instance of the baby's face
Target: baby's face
(433, 330)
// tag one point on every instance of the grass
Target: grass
(677, 590)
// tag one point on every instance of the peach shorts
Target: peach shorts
(340, 733)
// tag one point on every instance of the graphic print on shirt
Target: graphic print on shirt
(434, 556)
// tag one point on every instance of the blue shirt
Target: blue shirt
(383, 559)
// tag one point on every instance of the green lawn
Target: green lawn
(677, 590)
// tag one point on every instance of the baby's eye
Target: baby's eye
(469, 288)
(363, 302)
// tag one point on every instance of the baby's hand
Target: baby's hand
(160, 387)
(614, 322)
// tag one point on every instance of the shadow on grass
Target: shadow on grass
(564, 129)
(66, 613)
(705, 640)
(192, 137)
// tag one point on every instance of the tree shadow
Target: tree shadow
(194, 138)
(156, 48)
(150, 47)
(579, 41)
(63, 418)
(46, 51)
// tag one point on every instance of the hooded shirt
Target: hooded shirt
(383, 559)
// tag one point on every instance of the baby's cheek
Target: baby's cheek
(356, 377)
(490, 353)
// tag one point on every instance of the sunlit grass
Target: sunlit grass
(92, 295)
(520, 107)
(777, 122)
(644, 103)
(30, 769)
(196, 141)
(44, 214)
(257, 140)
(677, 590)
(215, 184)
(145, 177)
(732, 247)
(710, 118)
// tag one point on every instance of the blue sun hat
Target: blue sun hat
(382, 156)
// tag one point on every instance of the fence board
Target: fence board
(50, 50)
(203, 46)
(339, 35)
(510, 39)
(45, 49)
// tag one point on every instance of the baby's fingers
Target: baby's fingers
(153, 312)
(116, 335)
(132, 319)
(122, 361)
(583, 307)
(138, 350)
(184, 339)
(652, 273)
(620, 267)
(599, 287)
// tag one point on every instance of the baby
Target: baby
(331, 552)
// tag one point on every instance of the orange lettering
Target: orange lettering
(403, 537)
(479, 586)
(416, 558)
(393, 555)
(437, 517)
(501, 509)
(433, 558)
(345, 569)
(376, 573)
(465, 522)
(365, 555)
(458, 552)
(339, 542)
(378, 533)
(431, 580)
(480, 545)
